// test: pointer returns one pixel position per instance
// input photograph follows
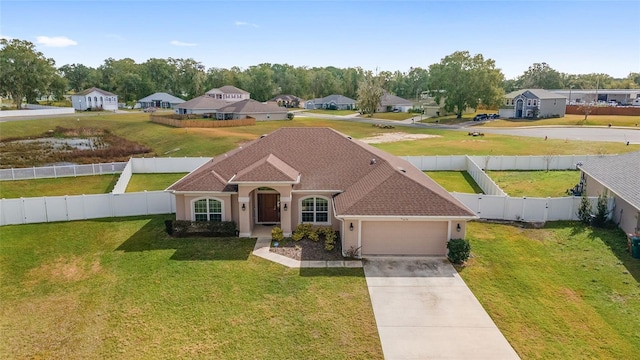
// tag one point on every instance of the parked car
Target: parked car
(150, 109)
(494, 116)
(480, 117)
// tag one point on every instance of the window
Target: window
(207, 210)
(314, 210)
(528, 102)
(535, 102)
(506, 102)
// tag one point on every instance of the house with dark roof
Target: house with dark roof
(390, 102)
(251, 108)
(533, 104)
(288, 101)
(331, 102)
(159, 100)
(616, 176)
(94, 99)
(379, 203)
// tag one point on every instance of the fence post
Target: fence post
(13, 174)
(146, 200)
(524, 203)
(24, 218)
(55, 175)
(34, 173)
(546, 209)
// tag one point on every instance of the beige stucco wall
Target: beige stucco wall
(455, 234)
(624, 214)
(295, 209)
(184, 207)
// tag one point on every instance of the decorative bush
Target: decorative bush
(329, 237)
(302, 231)
(584, 210)
(277, 234)
(314, 233)
(353, 253)
(183, 228)
(602, 213)
(290, 116)
(459, 250)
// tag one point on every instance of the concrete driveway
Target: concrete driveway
(424, 310)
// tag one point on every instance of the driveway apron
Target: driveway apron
(424, 310)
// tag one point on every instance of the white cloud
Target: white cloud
(56, 41)
(244, 23)
(180, 43)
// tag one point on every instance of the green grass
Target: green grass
(95, 184)
(331, 112)
(562, 292)
(151, 182)
(458, 181)
(535, 183)
(120, 288)
(570, 119)
(391, 116)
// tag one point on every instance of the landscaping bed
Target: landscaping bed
(306, 249)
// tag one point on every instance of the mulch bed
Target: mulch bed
(306, 249)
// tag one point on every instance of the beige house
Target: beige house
(619, 177)
(379, 203)
(390, 102)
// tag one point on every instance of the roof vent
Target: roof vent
(349, 137)
(263, 135)
(373, 161)
(402, 169)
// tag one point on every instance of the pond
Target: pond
(91, 143)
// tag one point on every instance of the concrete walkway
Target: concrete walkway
(424, 310)
(261, 249)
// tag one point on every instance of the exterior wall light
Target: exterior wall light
(351, 227)
(458, 228)
(244, 207)
(285, 207)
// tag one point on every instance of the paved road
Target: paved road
(424, 310)
(622, 135)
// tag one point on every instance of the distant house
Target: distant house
(212, 100)
(618, 177)
(251, 108)
(228, 93)
(288, 101)
(159, 100)
(608, 96)
(94, 99)
(389, 102)
(532, 103)
(331, 102)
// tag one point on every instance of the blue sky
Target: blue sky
(572, 36)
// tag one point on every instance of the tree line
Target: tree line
(26, 73)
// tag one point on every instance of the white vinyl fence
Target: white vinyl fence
(56, 171)
(35, 111)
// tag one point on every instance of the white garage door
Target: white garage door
(404, 238)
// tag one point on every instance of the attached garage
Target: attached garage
(404, 237)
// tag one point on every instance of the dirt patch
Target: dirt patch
(396, 136)
(306, 249)
(64, 270)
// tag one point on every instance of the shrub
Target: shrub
(182, 228)
(584, 210)
(277, 234)
(459, 250)
(290, 116)
(352, 253)
(168, 226)
(314, 235)
(329, 237)
(302, 231)
(602, 212)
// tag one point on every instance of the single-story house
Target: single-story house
(532, 103)
(94, 99)
(619, 177)
(159, 100)
(379, 203)
(331, 102)
(288, 101)
(229, 93)
(389, 102)
(252, 108)
(203, 104)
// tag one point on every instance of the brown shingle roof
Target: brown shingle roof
(268, 169)
(249, 106)
(366, 180)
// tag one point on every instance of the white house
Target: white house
(533, 104)
(94, 99)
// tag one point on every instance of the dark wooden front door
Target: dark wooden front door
(268, 211)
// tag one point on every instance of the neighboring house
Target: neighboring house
(618, 177)
(389, 102)
(609, 96)
(228, 93)
(159, 100)
(203, 104)
(380, 204)
(288, 101)
(94, 99)
(331, 102)
(251, 108)
(532, 103)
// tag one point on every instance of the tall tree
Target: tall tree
(79, 77)
(24, 72)
(369, 93)
(465, 82)
(540, 76)
(260, 82)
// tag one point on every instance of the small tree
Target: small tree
(602, 211)
(584, 210)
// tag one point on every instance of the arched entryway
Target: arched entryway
(519, 108)
(267, 206)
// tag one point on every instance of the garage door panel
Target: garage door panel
(404, 238)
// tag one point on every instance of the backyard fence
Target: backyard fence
(171, 121)
(33, 110)
(490, 162)
(56, 171)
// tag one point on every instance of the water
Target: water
(65, 143)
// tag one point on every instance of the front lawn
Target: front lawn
(94, 184)
(455, 181)
(536, 183)
(562, 292)
(569, 119)
(331, 112)
(121, 288)
(151, 182)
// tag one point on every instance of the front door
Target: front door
(268, 210)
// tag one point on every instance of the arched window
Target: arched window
(207, 210)
(314, 210)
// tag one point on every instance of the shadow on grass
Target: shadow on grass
(472, 182)
(152, 236)
(614, 238)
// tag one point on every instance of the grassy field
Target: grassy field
(535, 183)
(331, 112)
(151, 182)
(97, 184)
(391, 116)
(458, 181)
(120, 288)
(168, 141)
(569, 119)
(562, 292)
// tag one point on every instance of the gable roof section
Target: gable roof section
(90, 90)
(250, 106)
(162, 96)
(338, 99)
(365, 180)
(390, 100)
(268, 169)
(227, 89)
(620, 173)
(539, 93)
(286, 97)
(203, 102)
